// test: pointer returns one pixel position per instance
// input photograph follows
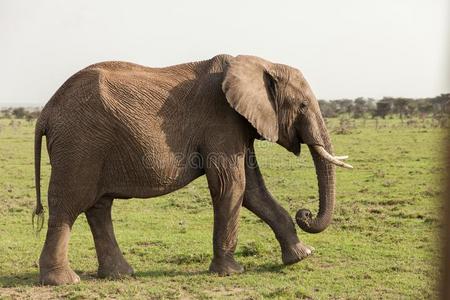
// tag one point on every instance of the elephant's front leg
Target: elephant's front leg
(226, 181)
(259, 201)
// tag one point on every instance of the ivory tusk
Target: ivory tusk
(343, 157)
(334, 160)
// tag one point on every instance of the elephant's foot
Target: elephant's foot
(58, 276)
(225, 266)
(295, 253)
(115, 270)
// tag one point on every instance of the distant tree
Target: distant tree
(440, 104)
(360, 108)
(32, 115)
(447, 104)
(371, 106)
(344, 106)
(383, 108)
(6, 113)
(411, 107)
(404, 107)
(401, 106)
(328, 108)
(424, 106)
(19, 112)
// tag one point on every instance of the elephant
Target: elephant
(118, 130)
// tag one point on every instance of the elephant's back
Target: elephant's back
(121, 89)
(93, 97)
(115, 102)
(112, 101)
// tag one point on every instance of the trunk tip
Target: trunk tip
(305, 221)
(303, 217)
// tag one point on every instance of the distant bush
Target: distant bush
(6, 112)
(19, 112)
(386, 107)
(28, 114)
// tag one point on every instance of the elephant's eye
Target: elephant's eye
(303, 107)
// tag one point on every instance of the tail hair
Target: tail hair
(38, 214)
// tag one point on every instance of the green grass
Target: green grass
(382, 243)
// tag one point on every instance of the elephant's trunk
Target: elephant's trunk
(326, 179)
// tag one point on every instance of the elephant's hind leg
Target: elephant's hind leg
(72, 189)
(111, 262)
(53, 262)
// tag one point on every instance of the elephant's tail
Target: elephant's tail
(39, 209)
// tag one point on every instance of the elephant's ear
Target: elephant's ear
(249, 87)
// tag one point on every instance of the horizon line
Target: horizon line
(35, 105)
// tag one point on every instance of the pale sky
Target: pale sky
(345, 49)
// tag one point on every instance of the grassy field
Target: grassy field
(382, 243)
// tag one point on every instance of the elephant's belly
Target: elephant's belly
(149, 176)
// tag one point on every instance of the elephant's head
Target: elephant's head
(277, 100)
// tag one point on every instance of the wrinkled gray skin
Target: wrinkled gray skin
(120, 130)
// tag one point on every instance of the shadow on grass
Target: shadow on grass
(266, 268)
(169, 273)
(18, 280)
(31, 278)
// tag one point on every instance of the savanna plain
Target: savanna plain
(382, 244)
